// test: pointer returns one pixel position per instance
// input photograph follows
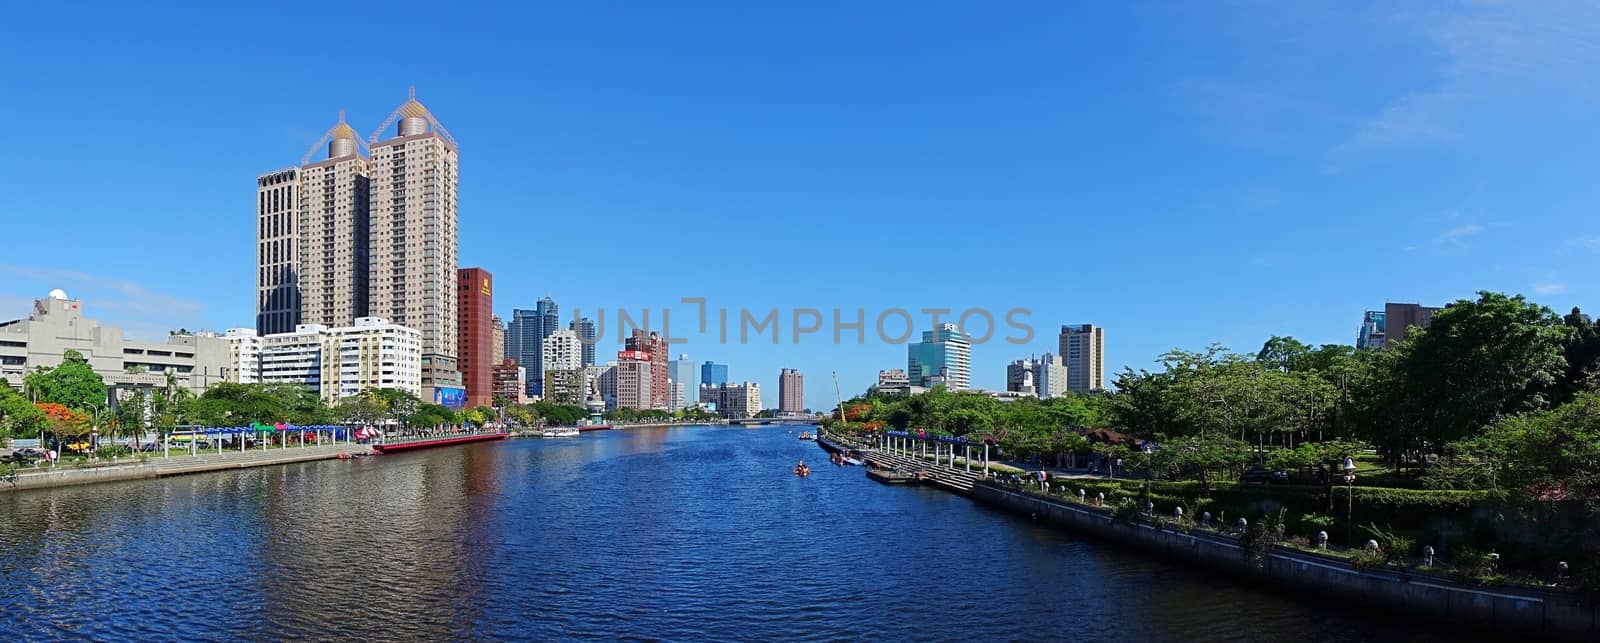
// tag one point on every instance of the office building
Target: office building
(509, 387)
(475, 335)
(57, 325)
(244, 356)
(1398, 318)
(791, 391)
(655, 348)
(1083, 348)
(585, 329)
(413, 240)
(634, 380)
(713, 373)
(1371, 336)
(525, 339)
(943, 357)
(734, 401)
(1044, 377)
(337, 363)
(684, 380)
(497, 339)
(278, 251)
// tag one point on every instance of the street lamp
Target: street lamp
(1349, 497)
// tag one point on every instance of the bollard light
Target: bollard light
(1322, 540)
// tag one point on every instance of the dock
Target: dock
(175, 463)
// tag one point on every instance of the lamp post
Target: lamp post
(1349, 497)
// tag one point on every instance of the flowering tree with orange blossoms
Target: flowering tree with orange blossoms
(62, 422)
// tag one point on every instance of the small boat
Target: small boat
(807, 436)
(852, 461)
(802, 471)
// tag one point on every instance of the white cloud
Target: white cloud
(1495, 57)
(1549, 288)
(138, 310)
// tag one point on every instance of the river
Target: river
(688, 533)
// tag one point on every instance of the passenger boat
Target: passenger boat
(560, 432)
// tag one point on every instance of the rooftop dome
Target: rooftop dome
(58, 294)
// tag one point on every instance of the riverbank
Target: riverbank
(1510, 610)
(159, 467)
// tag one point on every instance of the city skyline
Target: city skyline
(1209, 164)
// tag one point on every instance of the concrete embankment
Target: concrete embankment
(158, 467)
(1518, 611)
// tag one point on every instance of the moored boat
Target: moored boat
(438, 441)
(560, 432)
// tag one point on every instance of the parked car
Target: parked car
(151, 447)
(1260, 475)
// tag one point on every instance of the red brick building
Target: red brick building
(475, 334)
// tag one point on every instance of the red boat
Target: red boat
(594, 427)
(396, 447)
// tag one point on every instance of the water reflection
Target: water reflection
(682, 533)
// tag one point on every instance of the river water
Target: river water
(690, 533)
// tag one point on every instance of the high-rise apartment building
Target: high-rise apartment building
(337, 363)
(497, 339)
(278, 251)
(791, 391)
(1083, 347)
(1044, 377)
(334, 225)
(244, 356)
(475, 334)
(563, 364)
(713, 373)
(654, 346)
(944, 356)
(585, 329)
(414, 237)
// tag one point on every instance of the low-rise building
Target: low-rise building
(338, 363)
(57, 325)
(509, 382)
(733, 401)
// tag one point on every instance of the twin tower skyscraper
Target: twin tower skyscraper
(371, 230)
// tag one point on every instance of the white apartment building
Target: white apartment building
(244, 356)
(342, 362)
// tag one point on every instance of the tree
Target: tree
(18, 417)
(65, 424)
(72, 383)
(1201, 458)
(1477, 362)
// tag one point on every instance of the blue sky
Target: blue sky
(1180, 173)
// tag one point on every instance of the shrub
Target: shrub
(1127, 510)
(1310, 524)
(1395, 547)
(1259, 539)
(112, 450)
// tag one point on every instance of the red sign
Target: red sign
(643, 356)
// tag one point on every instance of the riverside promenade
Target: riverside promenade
(1539, 612)
(176, 463)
